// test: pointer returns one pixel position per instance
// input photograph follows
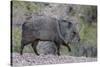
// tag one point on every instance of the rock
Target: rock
(46, 47)
(88, 51)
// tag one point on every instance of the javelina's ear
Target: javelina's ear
(69, 24)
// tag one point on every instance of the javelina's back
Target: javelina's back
(43, 28)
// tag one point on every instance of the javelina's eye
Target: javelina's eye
(69, 24)
(73, 34)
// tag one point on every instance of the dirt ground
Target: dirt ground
(28, 59)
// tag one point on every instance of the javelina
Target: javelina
(44, 28)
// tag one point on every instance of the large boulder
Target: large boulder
(46, 47)
(88, 51)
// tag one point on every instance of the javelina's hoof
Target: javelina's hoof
(21, 53)
(69, 50)
(58, 54)
(37, 54)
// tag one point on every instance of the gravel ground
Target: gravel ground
(28, 59)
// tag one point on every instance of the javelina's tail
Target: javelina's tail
(22, 35)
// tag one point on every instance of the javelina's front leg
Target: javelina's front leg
(58, 48)
(67, 45)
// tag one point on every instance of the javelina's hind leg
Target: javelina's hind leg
(22, 47)
(34, 44)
